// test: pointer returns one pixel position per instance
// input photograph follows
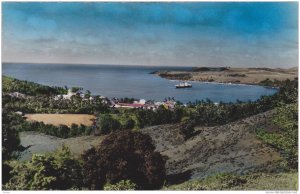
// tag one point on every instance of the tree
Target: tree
(124, 155)
(56, 171)
(187, 129)
(10, 137)
(74, 130)
(63, 131)
(108, 124)
(129, 124)
(5, 173)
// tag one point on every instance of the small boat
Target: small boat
(183, 85)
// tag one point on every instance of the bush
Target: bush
(122, 185)
(5, 173)
(129, 124)
(286, 140)
(124, 155)
(56, 171)
(187, 129)
(108, 124)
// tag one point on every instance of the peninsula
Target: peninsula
(258, 76)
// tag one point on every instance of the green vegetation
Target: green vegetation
(10, 136)
(160, 116)
(209, 114)
(47, 104)
(254, 181)
(14, 123)
(61, 131)
(30, 88)
(108, 124)
(55, 171)
(196, 69)
(76, 89)
(126, 159)
(124, 155)
(121, 186)
(285, 139)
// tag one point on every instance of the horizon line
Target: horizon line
(51, 63)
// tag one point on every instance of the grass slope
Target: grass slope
(263, 181)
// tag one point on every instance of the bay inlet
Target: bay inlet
(131, 81)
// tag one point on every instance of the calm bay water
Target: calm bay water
(130, 81)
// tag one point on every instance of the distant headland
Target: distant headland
(231, 74)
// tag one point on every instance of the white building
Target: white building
(69, 95)
(17, 95)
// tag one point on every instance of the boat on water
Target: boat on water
(183, 85)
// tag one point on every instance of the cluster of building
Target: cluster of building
(143, 104)
(116, 103)
(17, 95)
(70, 94)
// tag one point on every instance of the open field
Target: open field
(62, 119)
(233, 147)
(37, 143)
(231, 75)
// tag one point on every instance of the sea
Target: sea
(131, 81)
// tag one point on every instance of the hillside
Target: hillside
(228, 148)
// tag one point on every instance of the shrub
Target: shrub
(129, 124)
(56, 171)
(187, 129)
(108, 124)
(124, 155)
(122, 185)
(286, 140)
(5, 173)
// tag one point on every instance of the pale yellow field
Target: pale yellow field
(62, 119)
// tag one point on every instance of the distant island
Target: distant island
(259, 76)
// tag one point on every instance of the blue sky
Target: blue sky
(176, 34)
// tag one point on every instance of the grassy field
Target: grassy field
(62, 119)
(38, 143)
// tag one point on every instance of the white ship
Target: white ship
(183, 85)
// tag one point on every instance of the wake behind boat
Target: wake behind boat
(183, 85)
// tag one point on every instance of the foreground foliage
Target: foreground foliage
(55, 171)
(121, 186)
(126, 159)
(256, 181)
(286, 139)
(10, 136)
(124, 155)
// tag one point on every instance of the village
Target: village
(168, 103)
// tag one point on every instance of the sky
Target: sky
(235, 34)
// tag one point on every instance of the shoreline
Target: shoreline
(223, 83)
(233, 76)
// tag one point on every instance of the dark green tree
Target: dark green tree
(124, 155)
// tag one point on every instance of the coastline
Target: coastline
(224, 83)
(232, 76)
